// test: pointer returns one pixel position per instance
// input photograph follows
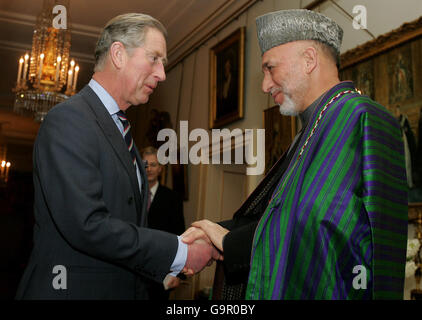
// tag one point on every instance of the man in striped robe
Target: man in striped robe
(329, 221)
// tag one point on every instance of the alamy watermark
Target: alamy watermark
(202, 150)
(60, 20)
(60, 280)
(360, 19)
(359, 281)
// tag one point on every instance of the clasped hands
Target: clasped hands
(205, 244)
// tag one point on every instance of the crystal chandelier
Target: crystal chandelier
(46, 76)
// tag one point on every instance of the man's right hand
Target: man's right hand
(200, 254)
(206, 230)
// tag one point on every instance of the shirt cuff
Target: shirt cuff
(180, 258)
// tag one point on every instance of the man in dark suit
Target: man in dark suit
(165, 212)
(90, 234)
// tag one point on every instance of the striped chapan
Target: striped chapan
(339, 211)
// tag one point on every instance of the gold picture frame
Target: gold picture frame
(415, 213)
(227, 79)
(407, 32)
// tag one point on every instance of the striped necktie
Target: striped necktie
(126, 134)
(149, 199)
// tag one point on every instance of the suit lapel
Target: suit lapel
(157, 197)
(142, 218)
(113, 135)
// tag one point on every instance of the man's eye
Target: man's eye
(153, 59)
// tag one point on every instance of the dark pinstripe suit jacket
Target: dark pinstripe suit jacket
(89, 214)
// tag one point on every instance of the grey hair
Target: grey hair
(129, 29)
(329, 51)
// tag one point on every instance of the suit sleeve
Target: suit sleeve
(67, 163)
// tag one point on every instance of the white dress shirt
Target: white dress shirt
(112, 107)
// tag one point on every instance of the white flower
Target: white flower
(410, 269)
(412, 248)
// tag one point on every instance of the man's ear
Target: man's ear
(310, 55)
(117, 54)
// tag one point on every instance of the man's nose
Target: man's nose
(267, 84)
(160, 72)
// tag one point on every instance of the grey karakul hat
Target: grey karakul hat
(279, 27)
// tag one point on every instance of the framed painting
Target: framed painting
(226, 79)
(279, 133)
(388, 69)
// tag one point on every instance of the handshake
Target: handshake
(205, 244)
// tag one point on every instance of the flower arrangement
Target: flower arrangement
(413, 247)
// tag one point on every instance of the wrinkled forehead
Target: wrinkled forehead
(155, 42)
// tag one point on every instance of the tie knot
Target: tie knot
(126, 134)
(122, 116)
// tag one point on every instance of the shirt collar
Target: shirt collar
(306, 115)
(154, 189)
(104, 96)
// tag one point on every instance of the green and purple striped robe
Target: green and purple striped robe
(342, 204)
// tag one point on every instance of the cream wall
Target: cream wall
(185, 95)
